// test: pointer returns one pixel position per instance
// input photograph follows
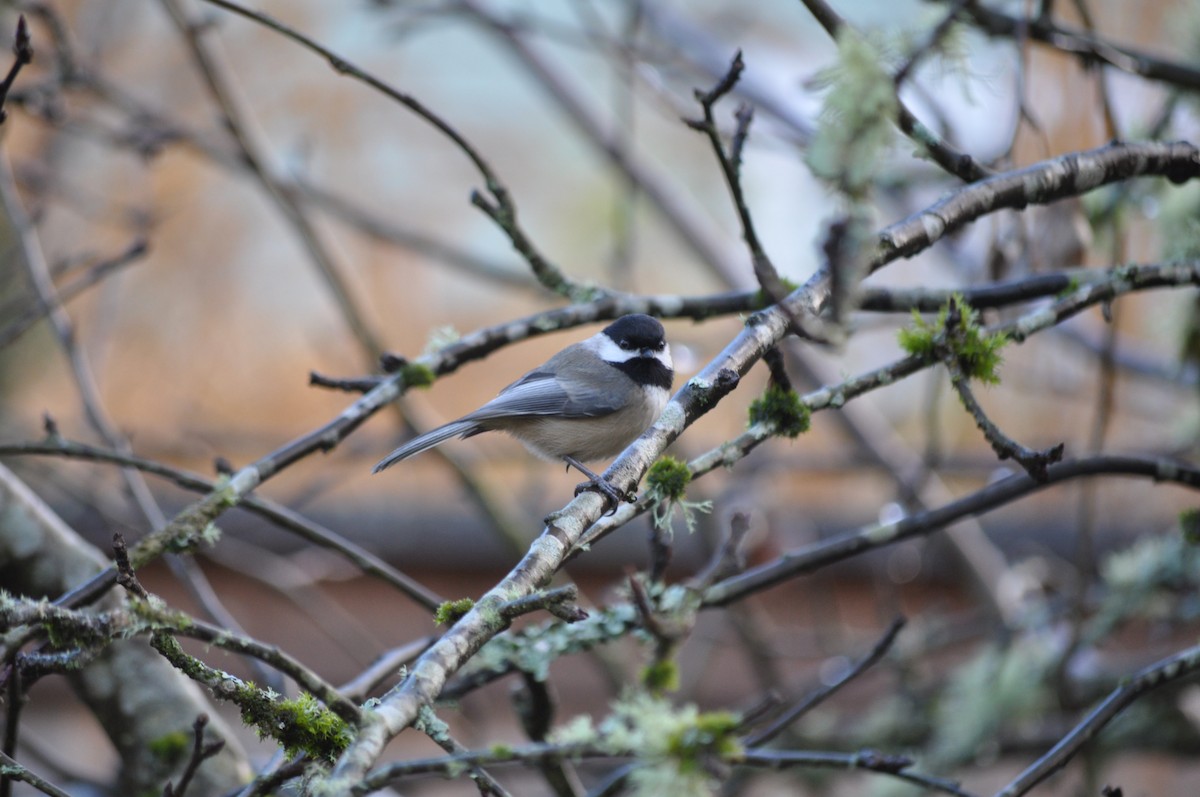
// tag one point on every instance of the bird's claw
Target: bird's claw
(612, 496)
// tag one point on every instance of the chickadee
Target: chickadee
(587, 402)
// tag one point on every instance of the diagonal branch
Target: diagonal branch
(1073, 174)
(1034, 462)
(14, 770)
(815, 698)
(1088, 48)
(814, 557)
(1171, 669)
(94, 274)
(950, 351)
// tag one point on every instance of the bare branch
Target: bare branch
(200, 752)
(272, 511)
(730, 162)
(16, 771)
(23, 50)
(1161, 673)
(1088, 48)
(1074, 174)
(95, 274)
(999, 493)
(815, 698)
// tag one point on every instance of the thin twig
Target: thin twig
(356, 385)
(200, 753)
(97, 272)
(283, 516)
(818, 696)
(693, 232)
(16, 771)
(930, 45)
(439, 733)
(23, 52)
(498, 203)
(559, 601)
(383, 668)
(957, 163)
(126, 577)
(730, 162)
(270, 780)
(16, 694)
(1034, 462)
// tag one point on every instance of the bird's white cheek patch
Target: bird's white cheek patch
(607, 349)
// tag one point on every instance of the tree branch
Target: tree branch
(814, 557)
(818, 696)
(1170, 669)
(1088, 48)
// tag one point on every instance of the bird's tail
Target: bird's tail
(428, 440)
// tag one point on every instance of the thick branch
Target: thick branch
(1074, 174)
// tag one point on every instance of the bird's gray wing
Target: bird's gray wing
(542, 393)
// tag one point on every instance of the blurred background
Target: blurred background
(252, 171)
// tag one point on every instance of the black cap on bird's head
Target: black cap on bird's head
(637, 331)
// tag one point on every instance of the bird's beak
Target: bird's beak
(656, 353)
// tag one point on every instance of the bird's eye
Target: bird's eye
(624, 343)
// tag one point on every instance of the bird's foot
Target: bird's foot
(601, 485)
(612, 496)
